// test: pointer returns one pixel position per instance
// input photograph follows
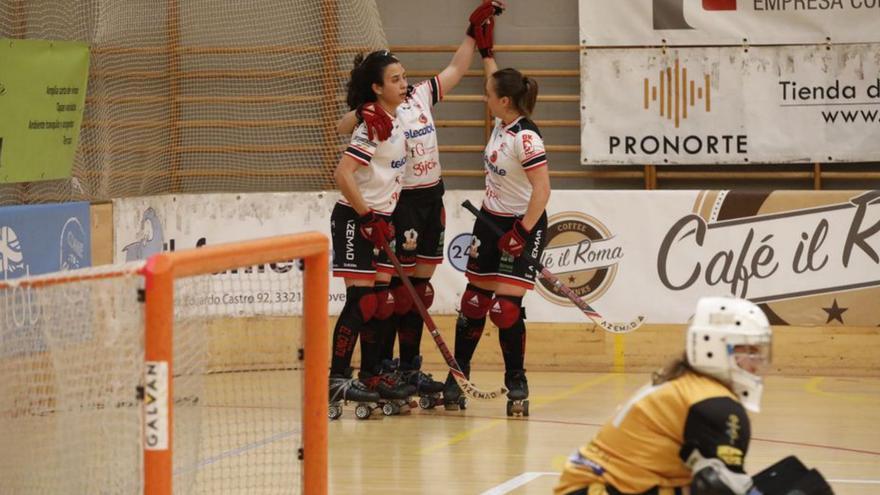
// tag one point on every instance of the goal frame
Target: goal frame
(160, 272)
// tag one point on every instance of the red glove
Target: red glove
(378, 121)
(375, 229)
(514, 240)
(482, 25)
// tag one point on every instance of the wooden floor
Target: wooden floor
(830, 423)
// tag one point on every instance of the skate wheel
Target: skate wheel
(463, 403)
(525, 410)
(334, 412)
(387, 409)
(362, 411)
(426, 403)
(514, 408)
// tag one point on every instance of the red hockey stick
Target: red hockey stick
(557, 284)
(466, 386)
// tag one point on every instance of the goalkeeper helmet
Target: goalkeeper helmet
(729, 339)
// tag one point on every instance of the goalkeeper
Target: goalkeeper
(688, 432)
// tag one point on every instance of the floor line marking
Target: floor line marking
(516, 482)
(813, 384)
(538, 403)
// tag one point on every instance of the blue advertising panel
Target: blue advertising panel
(38, 239)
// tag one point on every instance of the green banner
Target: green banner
(42, 94)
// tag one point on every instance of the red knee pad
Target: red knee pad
(475, 304)
(367, 305)
(504, 312)
(426, 293)
(403, 302)
(384, 304)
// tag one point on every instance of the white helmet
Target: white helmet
(724, 331)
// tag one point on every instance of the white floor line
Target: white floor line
(856, 482)
(514, 483)
(526, 478)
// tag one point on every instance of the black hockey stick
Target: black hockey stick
(559, 286)
(466, 386)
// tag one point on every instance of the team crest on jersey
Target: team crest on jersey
(423, 119)
(474, 250)
(528, 147)
(411, 237)
(494, 157)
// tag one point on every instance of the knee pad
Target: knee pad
(425, 291)
(363, 299)
(475, 302)
(384, 302)
(403, 302)
(505, 311)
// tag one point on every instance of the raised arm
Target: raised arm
(458, 66)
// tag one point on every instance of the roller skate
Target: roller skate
(453, 398)
(518, 393)
(394, 394)
(345, 389)
(430, 391)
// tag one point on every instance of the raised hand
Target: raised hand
(379, 124)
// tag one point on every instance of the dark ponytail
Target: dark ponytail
(522, 90)
(368, 70)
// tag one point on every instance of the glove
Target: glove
(482, 25)
(375, 229)
(514, 240)
(378, 121)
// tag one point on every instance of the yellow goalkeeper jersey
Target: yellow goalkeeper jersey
(644, 445)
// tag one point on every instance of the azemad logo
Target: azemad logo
(11, 256)
(669, 14)
(583, 253)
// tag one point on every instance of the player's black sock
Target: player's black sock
(359, 306)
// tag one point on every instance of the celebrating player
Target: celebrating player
(369, 177)
(517, 191)
(419, 218)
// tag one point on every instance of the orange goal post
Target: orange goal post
(198, 371)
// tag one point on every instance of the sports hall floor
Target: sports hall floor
(832, 424)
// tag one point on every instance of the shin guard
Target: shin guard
(508, 315)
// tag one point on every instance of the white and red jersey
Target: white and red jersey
(513, 150)
(380, 179)
(417, 119)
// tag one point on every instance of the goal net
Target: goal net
(115, 383)
(203, 95)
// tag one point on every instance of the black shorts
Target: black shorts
(353, 255)
(490, 264)
(420, 224)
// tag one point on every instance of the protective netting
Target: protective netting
(72, 361)
(71, 358)
(201, 96)
(238, 384)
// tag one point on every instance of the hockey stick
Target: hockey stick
(466, 386)
(557, 284)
